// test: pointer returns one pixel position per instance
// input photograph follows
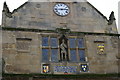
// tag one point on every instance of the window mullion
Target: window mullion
(77, 50)
(49, 53)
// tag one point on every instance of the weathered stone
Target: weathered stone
(22, 39)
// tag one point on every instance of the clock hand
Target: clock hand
(62, 9)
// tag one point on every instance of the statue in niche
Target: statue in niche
(63, 47)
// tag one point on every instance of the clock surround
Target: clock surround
(61, 9)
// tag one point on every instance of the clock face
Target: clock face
(61, 9)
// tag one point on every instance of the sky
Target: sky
(105, 7)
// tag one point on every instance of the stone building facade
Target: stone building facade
(59, 38)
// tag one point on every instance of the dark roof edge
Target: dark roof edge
(97, 11)
(19, 7)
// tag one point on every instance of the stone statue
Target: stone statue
(63, 50)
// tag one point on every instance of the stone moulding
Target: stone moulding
(55, 31)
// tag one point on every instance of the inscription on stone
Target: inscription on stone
(65, 69)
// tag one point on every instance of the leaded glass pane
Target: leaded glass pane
(54, 42)
(73, 56)
(54, 55)
(82, 55)
(45, 56)
(72, 42)
(45, 41)
(80, 43)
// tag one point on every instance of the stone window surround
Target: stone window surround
(68, 36)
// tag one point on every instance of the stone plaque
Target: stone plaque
(65, 69)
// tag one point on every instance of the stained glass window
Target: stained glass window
(80, 43)
(77, 44)
(51, 45)
(72, 42)
(82, 55)
(54, 55)
(45, 56)
(73, 56)
(54, 42)
(45, 41)
(49, 49)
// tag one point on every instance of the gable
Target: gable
(83, 17)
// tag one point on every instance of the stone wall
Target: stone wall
(107, 62)
(19, 59)
(83, 17)
(22, 50)
(119, 55)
